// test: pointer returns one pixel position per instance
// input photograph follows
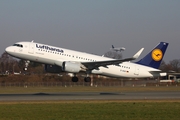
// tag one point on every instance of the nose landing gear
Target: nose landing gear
(26, 65)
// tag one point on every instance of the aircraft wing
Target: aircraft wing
(95, 65)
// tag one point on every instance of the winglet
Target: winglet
(138, 53)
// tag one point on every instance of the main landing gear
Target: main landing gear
(74, 79)
(86, 79)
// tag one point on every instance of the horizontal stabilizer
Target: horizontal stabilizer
(158, 73)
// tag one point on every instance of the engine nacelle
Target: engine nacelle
(73, 67)
(53, 68)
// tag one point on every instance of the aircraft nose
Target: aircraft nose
(8, 50)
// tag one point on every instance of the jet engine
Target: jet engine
(73, 67)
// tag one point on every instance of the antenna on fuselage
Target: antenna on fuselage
(32, 41)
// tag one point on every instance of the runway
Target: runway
(174, 95)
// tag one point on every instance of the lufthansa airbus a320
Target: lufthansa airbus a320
(57, 59)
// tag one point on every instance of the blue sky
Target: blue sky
(93, 25)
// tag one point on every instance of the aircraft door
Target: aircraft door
(136, 72)
(31, 48)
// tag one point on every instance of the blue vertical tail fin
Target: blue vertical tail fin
(154, 58)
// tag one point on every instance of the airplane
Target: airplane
(58, 60)
(118, 49)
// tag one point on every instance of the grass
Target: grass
(91, 110)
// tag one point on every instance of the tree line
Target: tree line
(12, 65)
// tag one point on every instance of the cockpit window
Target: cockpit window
(18, 45)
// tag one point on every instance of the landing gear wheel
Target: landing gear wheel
(25, 68)
(87, 79)
(74, 79)
(26, 65)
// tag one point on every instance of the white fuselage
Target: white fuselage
(47, 54)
